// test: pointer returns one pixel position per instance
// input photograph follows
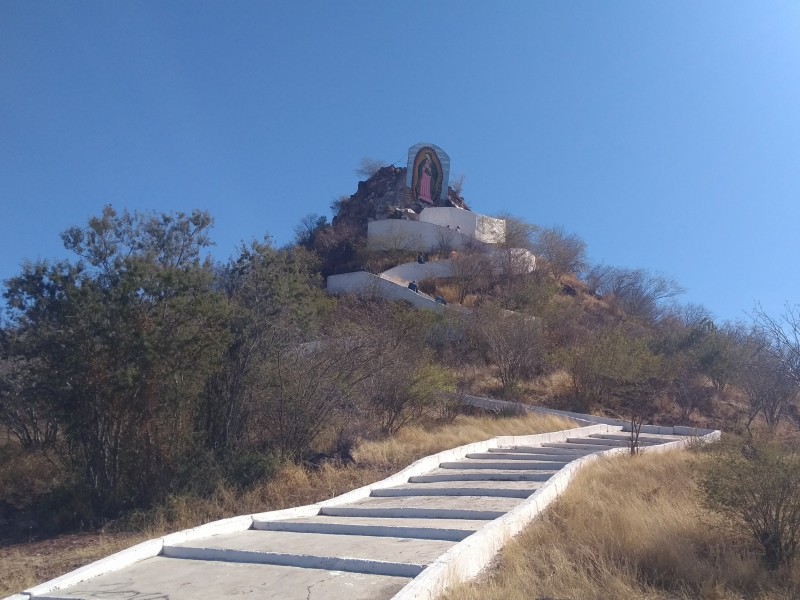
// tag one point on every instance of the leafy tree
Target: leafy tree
(117, 347)
(612, 362)
(274, 294)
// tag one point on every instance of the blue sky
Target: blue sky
(665, 134)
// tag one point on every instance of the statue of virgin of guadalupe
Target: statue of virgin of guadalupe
(427, 179)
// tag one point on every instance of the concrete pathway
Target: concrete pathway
(372, 547)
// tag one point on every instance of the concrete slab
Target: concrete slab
(495, 454)
(507, 465)
(433, 529)
(163, 578)
(650, 437)
(571, 452)
(587, 448)
(445, 507)
(598, 442)
(438, 475)
(386, 549)
(511, 489)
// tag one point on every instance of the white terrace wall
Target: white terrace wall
(364, 283)
(482, 228)
(414, 236)
(408, 271)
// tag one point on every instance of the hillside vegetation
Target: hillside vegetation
(141, 381)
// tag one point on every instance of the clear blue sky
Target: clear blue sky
(664, 133)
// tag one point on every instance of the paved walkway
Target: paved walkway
(369, 548)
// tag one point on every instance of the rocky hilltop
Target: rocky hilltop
(383, 196)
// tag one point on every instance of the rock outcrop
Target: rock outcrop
(383, 196)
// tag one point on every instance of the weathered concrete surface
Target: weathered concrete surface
(162, 578)
(438, 475)
(436, 529)
(443, 507)
(505, 465)
(511, 489)
(388, 549)
(514, 454)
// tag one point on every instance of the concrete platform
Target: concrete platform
(505, 465)
(587, 448)
(265, 544)
(444, 507)
(571, 452)
(510, 489)
(438, 475)
(507, 454)
(435, 529)
(163, 578)
(653, 438)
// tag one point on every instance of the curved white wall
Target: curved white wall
(408, 271)
(364, 283)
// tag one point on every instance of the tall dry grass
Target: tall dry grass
(24, 565)
(413, 443)
(630, 528)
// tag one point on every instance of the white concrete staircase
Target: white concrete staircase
(440, 520)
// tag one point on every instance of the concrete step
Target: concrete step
(651, 438)
(283, 559)
(511, 455)
(585, 448)
(161, 578)
(481, 488)
(380, 555)
(508, 465)
(429, 529)
(427, 507)
(607, 442)
(596, 442)
(570, 452)
(439, 475)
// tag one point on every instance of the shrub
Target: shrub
(756, 487)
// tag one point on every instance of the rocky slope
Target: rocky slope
(383, 196)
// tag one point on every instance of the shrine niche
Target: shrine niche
(427, 175)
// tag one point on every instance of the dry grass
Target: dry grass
(630, 528)
(26, 564)
(413, 442)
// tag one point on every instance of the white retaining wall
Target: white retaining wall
(416, 236)
(482, 228)
(363, 283)
(409, 271)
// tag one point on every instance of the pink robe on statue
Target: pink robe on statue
(425, 186)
